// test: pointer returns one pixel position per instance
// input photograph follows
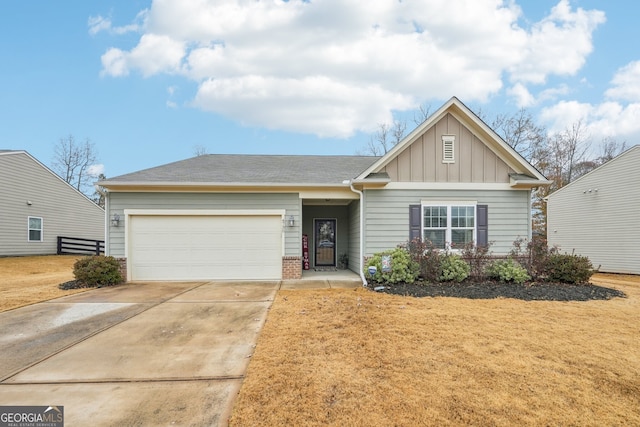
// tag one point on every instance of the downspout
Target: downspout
(361, 194)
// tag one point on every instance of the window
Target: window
(35, 229)
(448, 153)
(450, 225)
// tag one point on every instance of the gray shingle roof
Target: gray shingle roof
(252, 169)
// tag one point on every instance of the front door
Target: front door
(325, 242)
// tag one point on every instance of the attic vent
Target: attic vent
(448, 154)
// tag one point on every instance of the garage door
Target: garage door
(194, 247)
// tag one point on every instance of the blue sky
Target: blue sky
(148, 81)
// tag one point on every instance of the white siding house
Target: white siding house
(596, 215)
(37, 206)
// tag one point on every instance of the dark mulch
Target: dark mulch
(490, 290)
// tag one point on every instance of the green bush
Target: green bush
(454, 269)
(566, 268)
(427, 257)
(508, 270)
(403, 268)
(97, 271)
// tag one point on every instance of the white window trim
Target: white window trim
(29, 229)
(449, 205)
(448, 146)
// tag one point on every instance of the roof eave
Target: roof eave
(123, 185)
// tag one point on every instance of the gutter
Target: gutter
(103, 192)
(358, 192)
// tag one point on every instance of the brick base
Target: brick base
(123, 267)
(291, 267)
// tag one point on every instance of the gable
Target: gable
(479, 154)
(424, 159)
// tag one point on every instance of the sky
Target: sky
(150, 82)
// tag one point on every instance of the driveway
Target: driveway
(135, 354)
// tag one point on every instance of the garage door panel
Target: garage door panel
(205, 247)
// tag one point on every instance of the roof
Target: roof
(242, 169)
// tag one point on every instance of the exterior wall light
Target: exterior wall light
(290, 222)
(115, 220)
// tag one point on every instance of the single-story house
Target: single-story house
(452, 180)
(581, 217)
(37, 206)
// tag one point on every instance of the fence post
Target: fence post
(59, 249)
(97, 247)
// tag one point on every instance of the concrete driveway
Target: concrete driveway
(135, 354)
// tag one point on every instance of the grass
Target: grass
(353, 357)
(358, 358)
(31, 279)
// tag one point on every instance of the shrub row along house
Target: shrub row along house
(452, 180)
(37, 206)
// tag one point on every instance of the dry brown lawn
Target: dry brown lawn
(357, 358)
(31, 279)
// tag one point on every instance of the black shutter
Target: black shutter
(414, 221)
(482, 219)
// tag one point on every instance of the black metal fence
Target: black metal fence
(73, 246)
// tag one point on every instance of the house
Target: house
(37, 206)
(452, 180)
(588, 215)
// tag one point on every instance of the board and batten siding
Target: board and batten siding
(597, 215)
(118, 202)
(64, 210)
(387, 215)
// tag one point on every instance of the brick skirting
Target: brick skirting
(123, 267)
(291, 267)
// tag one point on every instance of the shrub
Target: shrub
(403, 268)
(508, 270)
(454, 269)
(568, 268)
(533, 254)
(97, 271)
(427, 257)
(478, 257)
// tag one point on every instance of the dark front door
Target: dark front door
(325, 242)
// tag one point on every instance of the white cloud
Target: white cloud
(95, 170)
(333, 67)
(99, 23)
(626, 83)
(522, 95)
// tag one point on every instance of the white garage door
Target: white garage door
(193, 247)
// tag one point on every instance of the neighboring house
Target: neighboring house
(596, 215)
(245, 216)
(37, 206)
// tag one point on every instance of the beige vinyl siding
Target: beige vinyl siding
(354, 236)
(474, 160)
(118, 202)
(597, 215)
(387, 215)
(64, 211)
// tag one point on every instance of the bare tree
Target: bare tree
(609, 149)
(423, 113)
(521, 132)
(72, 161)
(200, 150)
(385, 138)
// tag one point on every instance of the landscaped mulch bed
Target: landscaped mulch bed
(491, 290)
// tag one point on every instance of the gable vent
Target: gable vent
(448, 153)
